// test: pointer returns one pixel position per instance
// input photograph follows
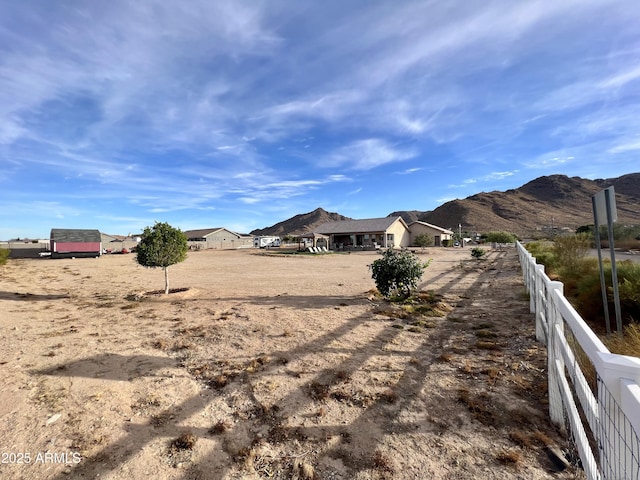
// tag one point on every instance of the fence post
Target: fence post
(532, 286)
(555, 359)
(619, 412)
(538, 301)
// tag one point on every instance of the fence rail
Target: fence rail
(594, 395)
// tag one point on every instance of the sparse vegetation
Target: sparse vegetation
(566, 260)
(477, 253)
(305, 391)
(397, 273)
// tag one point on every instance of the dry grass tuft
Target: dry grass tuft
(478, 404)
(485, 333)
(389, 396)
(219, 381)
(521, 438)
(186, 441)
(160, 344)
(220, 427)
(446, 357)
(626, 344)
(492, 372)
(304, 470)
(382, 462)
(511, 457)
(456, 319)
(466, 368)
(543, 438)
(318, 391)
(488, 345)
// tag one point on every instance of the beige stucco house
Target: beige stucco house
(437, 233)
(219, 238)
(387, 232)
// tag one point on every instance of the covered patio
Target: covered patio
(313, 239)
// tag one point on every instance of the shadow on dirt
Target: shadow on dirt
(111, 366)
(381, 415)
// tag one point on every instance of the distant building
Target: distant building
(219, 238)
(65, 243)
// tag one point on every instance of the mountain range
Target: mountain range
(547, 203)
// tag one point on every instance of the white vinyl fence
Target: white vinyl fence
(602, 414)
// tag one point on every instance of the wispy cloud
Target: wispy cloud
(549, 161)
(484, 178)
(409, 171)
(368, 153)
(181, 109)
(626, 147)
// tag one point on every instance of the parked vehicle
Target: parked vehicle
(266, 242)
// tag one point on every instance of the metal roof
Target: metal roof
(367, 225)
(75, 235)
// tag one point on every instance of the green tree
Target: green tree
(424, 241)
(397, 273)
(162, 246)
(500, 237)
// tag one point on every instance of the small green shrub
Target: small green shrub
(477, 253)
(4, 254)
(588, 296)
(423, 241)
(569, 251)
(397, 273)
(543, 253)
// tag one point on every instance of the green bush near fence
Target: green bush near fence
(566, 260)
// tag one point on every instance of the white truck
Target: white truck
(266, 242)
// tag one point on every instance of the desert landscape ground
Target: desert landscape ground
(266, 365)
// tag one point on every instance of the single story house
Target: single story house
(387, 232)
(67, 242)
(220, 238)
(423, 228)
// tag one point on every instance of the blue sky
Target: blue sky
(114, 115)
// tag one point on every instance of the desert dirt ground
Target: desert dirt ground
(271, 366)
